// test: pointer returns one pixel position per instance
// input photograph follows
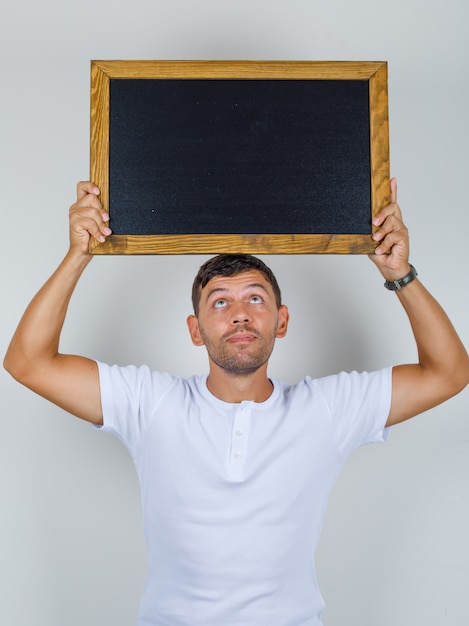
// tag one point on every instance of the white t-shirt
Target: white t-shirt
(234, 495)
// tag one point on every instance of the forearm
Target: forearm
(37, 337)
(442, 369)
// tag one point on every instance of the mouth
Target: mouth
(242, 336)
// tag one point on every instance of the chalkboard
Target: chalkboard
(261, 157)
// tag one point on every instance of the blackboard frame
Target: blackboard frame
(375, 73)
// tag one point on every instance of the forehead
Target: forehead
(244, 280)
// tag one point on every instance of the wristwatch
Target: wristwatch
(397, 285)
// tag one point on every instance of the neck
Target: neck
(234, 388)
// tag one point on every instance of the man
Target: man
(235, 468)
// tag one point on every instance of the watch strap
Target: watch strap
(397, 285)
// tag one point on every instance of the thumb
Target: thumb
(86, 187)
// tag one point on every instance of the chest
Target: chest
(243, 460)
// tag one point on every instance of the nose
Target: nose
(239, 313)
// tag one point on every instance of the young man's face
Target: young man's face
(238, 321)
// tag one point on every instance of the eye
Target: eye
(256, 300)
(220, 303)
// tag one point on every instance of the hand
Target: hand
(87, 218)
(392, 253)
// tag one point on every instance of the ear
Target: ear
(193, 325)
(283, 318)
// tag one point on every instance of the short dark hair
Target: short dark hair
(231, 265)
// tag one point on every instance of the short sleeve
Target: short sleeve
(359, 404)
(129, 396)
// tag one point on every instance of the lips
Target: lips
(242, 336)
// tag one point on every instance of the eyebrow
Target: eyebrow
(226, 289)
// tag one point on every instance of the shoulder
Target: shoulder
(141, 380)
(341, 385)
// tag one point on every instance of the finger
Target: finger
(393, 185)
(78, 213)
(89, 200)
(89, 227)
(389, 212)
(89, 224)
(392, 223)
(397, 239)
(86, 187)
(88, 215)
(391, 209)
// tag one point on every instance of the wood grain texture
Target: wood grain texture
(241, 244)
(379, 140)
(293, 70)
(99, 136)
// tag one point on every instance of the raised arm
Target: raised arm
(33, 357)
(442, 370)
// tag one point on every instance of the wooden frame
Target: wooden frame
(375, 73)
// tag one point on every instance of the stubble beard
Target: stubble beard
(241, 360)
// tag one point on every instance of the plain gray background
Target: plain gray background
(395, 548)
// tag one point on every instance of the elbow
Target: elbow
(465, 380)
(18, 368)
(8, 364)
(460, 377)
(11, 360)
(11, 367)
(447, 382)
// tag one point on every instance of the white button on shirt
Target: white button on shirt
(239, 441)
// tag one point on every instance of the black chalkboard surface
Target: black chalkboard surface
(214, 156)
